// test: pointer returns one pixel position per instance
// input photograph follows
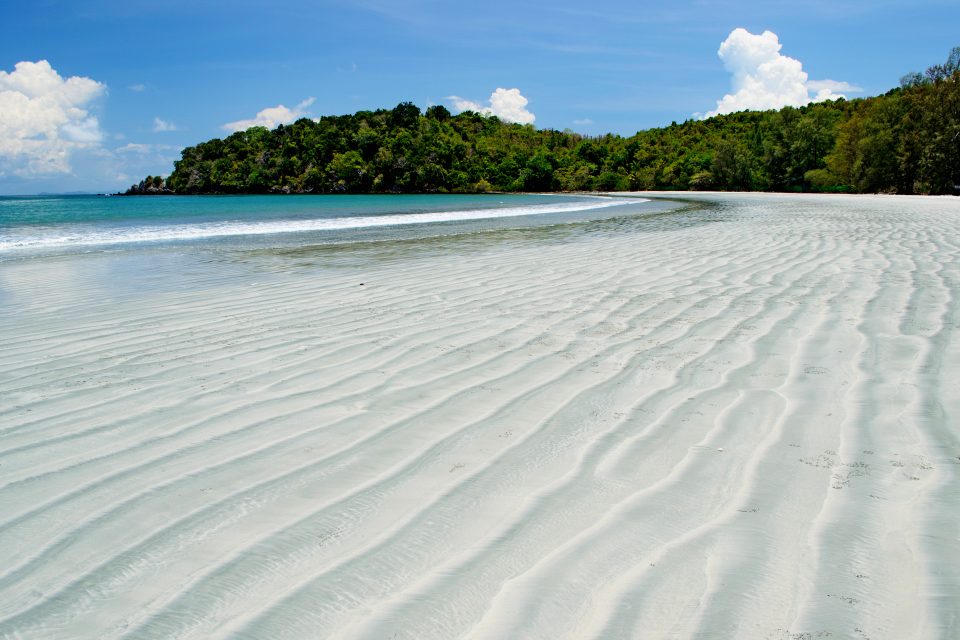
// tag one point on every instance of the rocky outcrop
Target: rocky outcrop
(149, 186)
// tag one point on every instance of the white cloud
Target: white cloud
(44, 119)
(134, 147)
(583, 121)
(272, 116)
(137, 87)
(162, 125)
(506, 104)
(763, 78)
(142, 149)
(830, 87)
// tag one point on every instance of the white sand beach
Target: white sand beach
(740, 419)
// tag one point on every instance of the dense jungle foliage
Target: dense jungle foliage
(906, 141)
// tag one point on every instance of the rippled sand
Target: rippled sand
(738, 420)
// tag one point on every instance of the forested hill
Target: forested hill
(906, 141)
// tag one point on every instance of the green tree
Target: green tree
(405, 115)
(347, 172)
(906, 141)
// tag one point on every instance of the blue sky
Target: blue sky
(164, 75)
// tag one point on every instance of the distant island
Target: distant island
(906, 141)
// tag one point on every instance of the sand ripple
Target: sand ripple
(739, 419)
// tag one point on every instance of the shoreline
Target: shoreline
(559, 193)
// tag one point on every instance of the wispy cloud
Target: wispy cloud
(598, 49)
(135, 160)
(763, 78)
(139, 88)
(506, 104)
(832, 86)
(134, 147)
(583, 121)
(162, 125)
(272, 116)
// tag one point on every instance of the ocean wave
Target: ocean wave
(208, 230)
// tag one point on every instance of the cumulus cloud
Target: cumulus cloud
(763, 78)
(506, 104)
(162, 125)
(44, 118)
(272, 116)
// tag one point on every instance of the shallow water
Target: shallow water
(56, 224)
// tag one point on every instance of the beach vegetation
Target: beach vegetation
(905, 141)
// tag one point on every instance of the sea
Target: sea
(32, 226)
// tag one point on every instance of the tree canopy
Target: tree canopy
(906, 141)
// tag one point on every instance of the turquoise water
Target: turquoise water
(45, 224)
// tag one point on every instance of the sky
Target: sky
(97, 94)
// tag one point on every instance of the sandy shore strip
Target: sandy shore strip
(739, 419)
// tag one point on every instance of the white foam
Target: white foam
(167, 233)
